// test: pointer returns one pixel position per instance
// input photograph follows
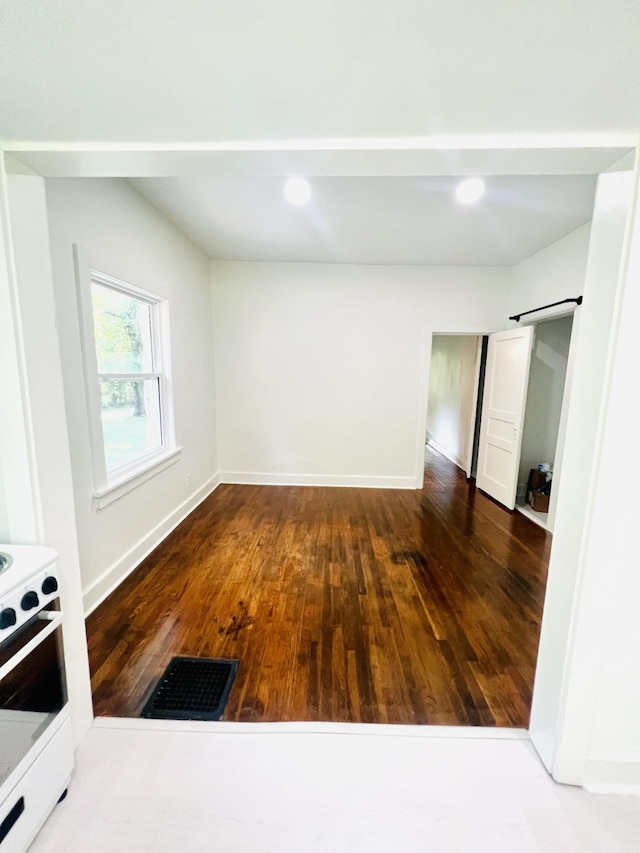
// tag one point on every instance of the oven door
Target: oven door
(32, 690)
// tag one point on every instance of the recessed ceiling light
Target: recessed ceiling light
(297, 191)
(470, 190)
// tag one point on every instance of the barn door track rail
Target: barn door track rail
(576, 299)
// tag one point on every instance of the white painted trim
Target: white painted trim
(359, 481)
(96, 592)
(567, 760)
(464, 142)
(423, 407)
(499, 154)
(425, 377)
(133, 290)
(504, 142)
(115, 491)
(26, 519)
(12, 166)
(610, 788)
(447, 454)
(562, 425)
(611, 773)
(564, 695)
(471, 434)
(90, 366)
(306, 728)
(108, 487)
(623, 757)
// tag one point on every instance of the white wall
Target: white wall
(321, 369)
(587, 642)
(556, 272)
(119, 233)
(18, 520)
(452, 382)
(33, 439)
(545, 394)
(606, 663)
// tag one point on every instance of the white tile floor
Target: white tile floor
(291, 789)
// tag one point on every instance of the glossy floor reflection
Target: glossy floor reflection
(342, 605)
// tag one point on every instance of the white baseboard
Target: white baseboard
(337, 480)
(612, 773)
(608, 788)
(96, 593)
(446, 453)
(312, 728)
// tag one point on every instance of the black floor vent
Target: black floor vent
(192, 689)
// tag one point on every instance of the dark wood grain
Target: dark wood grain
(358, 605)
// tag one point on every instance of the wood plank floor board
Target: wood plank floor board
(357, 605)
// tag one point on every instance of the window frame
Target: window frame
(108, 487)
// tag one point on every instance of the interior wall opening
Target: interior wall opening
(542, 440)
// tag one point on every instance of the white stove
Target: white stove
(28, 581)
(36, 749)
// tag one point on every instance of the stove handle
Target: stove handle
(33, 643)
(11, 819)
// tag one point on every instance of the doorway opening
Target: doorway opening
(456, 399)
(544, 424)
(539, 375)
(456, 388)
(461, 395)
(603, 326)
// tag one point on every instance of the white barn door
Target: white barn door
(505, 396)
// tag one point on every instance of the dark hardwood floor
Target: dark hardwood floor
(356, 605)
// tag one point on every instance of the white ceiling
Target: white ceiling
(381, 220)
(236, 76)
(200, 71)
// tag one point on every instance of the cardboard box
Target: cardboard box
(537, 501)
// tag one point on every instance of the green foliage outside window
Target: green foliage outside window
(123, 345)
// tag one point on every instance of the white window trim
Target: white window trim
(157, 463)
(107, 489)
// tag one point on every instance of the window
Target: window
(128, 385)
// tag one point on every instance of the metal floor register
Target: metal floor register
(192, 689)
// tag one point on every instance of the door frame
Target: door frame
(570, 667)
(451, 330)
(556, 314)
(472, 418)
(476, 410)
(77, 159)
